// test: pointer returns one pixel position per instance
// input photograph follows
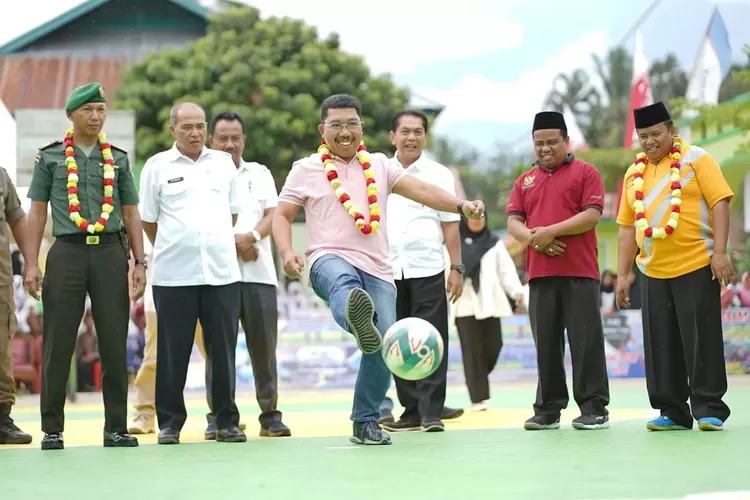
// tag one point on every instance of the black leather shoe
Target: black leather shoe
(169, 436)
(275, 429)
(10, 433)
(451, 413)
(231, 435)
(53, 441)
(119, 440)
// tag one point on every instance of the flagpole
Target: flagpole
(639, 22)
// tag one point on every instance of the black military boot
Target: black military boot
(9, 431)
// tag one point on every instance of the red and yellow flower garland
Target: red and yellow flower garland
(372, 191)
(676, 196)
(74, 204)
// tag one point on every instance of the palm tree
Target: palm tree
(575, 91)
(668, 79)
(616, 74)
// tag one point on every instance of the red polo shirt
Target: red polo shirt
(545, 197)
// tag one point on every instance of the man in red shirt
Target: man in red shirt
(553, 209)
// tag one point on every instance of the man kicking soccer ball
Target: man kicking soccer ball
(348, 249)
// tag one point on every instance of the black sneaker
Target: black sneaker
(168, 436)
(451, 413)
(119, 440)
(402, 425)
(542, 423)
(433, 425)
(231, 435)
(53, 441)
(386, 416)
(360, 315)
(369, 433)
(275, 429)
(10, 433)
(591, 422)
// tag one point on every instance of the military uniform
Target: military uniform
(81, 263)
(10, 213)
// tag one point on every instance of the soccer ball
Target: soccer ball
(412, 349)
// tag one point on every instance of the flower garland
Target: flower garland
(372, 191)
(74, 204)
(676, 196)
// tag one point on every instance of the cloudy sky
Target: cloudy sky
(489, 62)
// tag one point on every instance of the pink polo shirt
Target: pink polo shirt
(330, 229)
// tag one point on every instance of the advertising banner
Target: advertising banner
(313, 352)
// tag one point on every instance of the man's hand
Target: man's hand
(293, 264)
(455, 286)
(243, 242)
(542, 240)
(138, 278)
(520, 301)
(721, 268)
(250, 256)
(622, 292)
(473, 209)
(32, 280)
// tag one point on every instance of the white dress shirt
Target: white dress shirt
(415, 236)
(258, 182)
(192, 202)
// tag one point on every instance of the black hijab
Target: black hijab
(473, 247)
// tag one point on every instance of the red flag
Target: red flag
(640, 90)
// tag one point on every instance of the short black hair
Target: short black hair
(339, 101)
(227, 116)
(410, 112)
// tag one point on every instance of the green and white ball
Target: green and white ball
(412, 349)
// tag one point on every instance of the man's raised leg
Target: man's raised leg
(358, 303)
(339, 284)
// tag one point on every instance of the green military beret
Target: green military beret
(91, 92)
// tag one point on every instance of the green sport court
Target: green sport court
(485, 454)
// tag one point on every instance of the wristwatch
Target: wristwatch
(256, 235)
(142, 262)
(458, 267)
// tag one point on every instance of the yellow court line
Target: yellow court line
(323, 424)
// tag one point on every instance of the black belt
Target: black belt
(90, 239)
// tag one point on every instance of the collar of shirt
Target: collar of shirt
(414, 167)
(567, 161)
(175, 154)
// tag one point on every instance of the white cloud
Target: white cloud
(392, 35)
(477, 99)
(395, 35)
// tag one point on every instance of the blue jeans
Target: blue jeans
(333, 278)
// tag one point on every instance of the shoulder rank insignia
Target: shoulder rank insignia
(53, 143)
(118, 148)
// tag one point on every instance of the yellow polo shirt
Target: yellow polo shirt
(690, 247)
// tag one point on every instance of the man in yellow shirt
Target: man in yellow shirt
(675, 209)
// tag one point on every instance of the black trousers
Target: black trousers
(684, 346)
(259, 318)
(557, 304)
(424, 298)
(73, 270)
(178, 310)
(481, 343)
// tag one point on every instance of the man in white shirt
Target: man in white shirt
(190, 199)
(415, 243)
(259, 311)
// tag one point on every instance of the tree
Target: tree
(577, 93)
(273, 72)
(668, 80)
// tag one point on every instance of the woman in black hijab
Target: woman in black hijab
(490, 277)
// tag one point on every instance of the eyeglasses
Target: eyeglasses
(339, 126)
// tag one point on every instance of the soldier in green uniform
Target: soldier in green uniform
(90, 188)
